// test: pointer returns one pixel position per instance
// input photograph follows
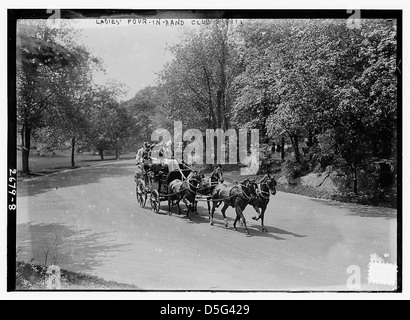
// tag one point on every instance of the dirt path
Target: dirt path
(91, 220)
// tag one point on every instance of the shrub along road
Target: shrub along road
(88, 220)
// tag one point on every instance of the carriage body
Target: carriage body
(158, 180)
(160, 177)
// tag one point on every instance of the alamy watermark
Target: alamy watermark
(354, 20)
(221, 147)
(54, 20)
(379, 273)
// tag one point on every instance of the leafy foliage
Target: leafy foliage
(57, 100)
(329, 90)
(109, 124)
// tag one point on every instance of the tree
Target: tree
(109, 124)
(54, 84)
(75, 100)
(40, 59)
(318, 79)
(255, 86)
(274, 90)
(145, 108)
(198, 82)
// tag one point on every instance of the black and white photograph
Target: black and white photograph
(253, 151)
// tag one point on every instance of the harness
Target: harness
(241, 194)
(261, 192)
(211, 184)
(191, 185)
(187, 181)
(244, 194)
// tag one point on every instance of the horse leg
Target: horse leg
(179, 208)
(211, 217)
(223, 210)
(169, 205)
(211, 214)
(262, 217)
(195, 207)
(256, 218)
(187, 207)
(239, 215)
(234, 223)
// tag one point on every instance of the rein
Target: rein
(261, 192)
(191, 185)
(244, 194)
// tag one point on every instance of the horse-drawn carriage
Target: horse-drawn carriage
(153, 184)
(175, 183)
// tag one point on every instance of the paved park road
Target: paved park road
(91, 219)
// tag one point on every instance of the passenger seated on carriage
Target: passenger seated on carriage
(138, 158)
(218, 172)
(161, 160)
(146, 158)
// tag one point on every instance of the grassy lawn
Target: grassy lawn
(33, 277)
(62, 160)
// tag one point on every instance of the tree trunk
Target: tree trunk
(213, 117)
(101, 153)
(221, 93)
(282, 149)
(219, 109)
(355, 175)
(310, 139)
(226, 122)
(295, 145)
(72, 152)
(117, 153)
(25, 147)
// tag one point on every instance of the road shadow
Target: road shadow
(256, 231)
(71, 249)
(358, 210)
(195, 217)
(283, 232)
(203, 217)
(72, 178)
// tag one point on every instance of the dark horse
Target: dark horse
(208, 185)
(265, 188)
(184, 190)
(236, 195)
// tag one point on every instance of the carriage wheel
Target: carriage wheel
(155, 201)
(141, 198)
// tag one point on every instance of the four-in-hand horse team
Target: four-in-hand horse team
(171, 180)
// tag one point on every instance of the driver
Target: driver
(138, 158)
(146, 157)
(218, 172)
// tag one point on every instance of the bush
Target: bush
(268, 162)
(293, 169)
(29, 276)
(323, 153)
